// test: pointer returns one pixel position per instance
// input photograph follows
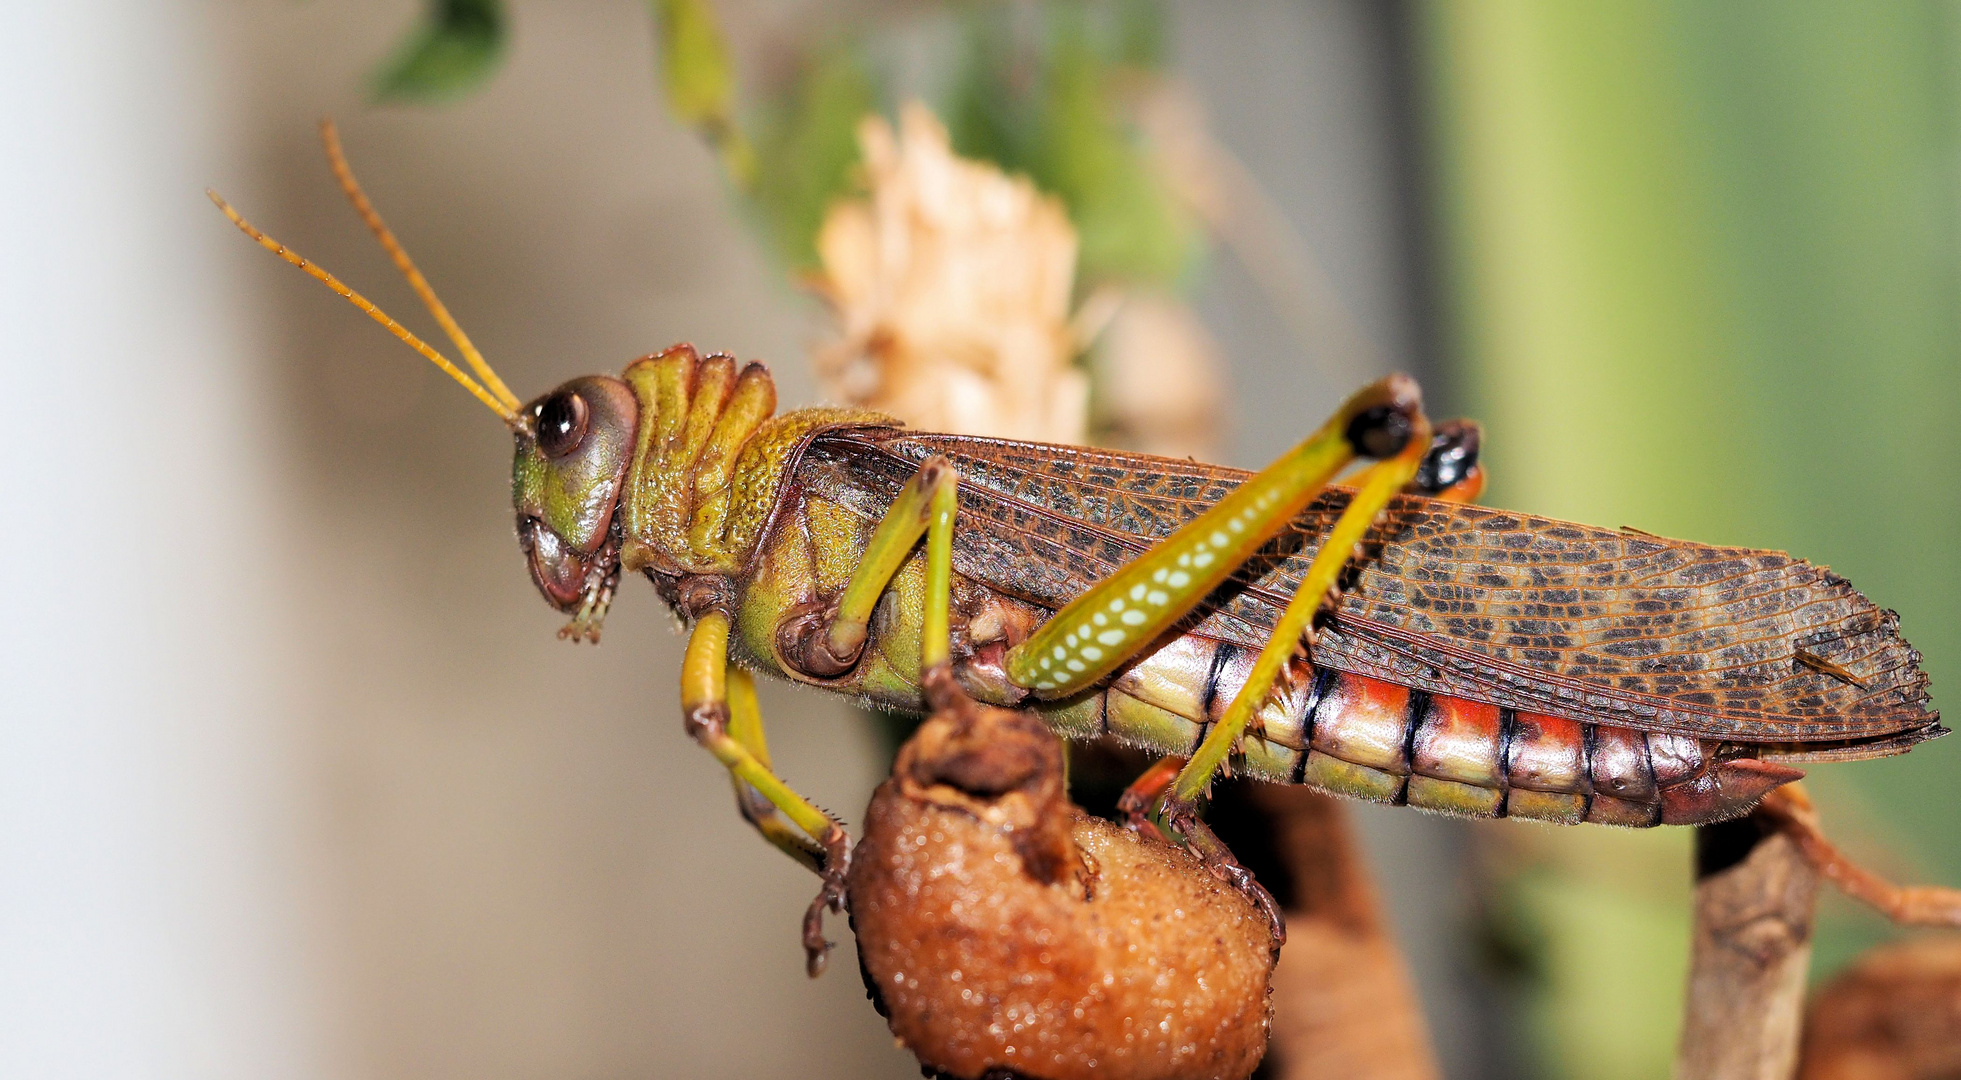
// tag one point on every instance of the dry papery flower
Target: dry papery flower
(951, 288)
(1157, 380)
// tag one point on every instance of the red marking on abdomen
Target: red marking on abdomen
(1372, 739)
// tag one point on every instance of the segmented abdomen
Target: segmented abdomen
(1364, 738)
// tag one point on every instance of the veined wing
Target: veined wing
(1601, 625)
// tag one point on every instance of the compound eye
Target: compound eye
(1379, 432)
(562, 423)
(1452, 457)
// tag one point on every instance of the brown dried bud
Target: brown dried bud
(1004, 932)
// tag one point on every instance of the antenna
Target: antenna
(330, 138)
(508, 411)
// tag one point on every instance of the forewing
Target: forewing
(1595, 624)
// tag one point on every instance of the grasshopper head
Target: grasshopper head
(573, 444)
(573, 447)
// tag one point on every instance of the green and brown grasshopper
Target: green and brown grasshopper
(1387, 640)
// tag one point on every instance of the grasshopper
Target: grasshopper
(1387, 640)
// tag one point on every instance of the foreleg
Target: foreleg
(705, 706)
(746, 728)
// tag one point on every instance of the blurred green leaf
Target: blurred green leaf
(807, 150)
(990, 112)
(698, 78)
(696, 72)
(1140, 33)
(1050, 110)
(457, 47)
(1128, 224)
(1607, 1000)
(1044, 105)
(1703, 262)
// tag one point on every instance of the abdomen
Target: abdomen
(1369, 739)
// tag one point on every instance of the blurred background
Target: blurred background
(294, 780)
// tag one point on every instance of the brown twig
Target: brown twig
(1907, 905)
(1754, 901)
(1343, 1003)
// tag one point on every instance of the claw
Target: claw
(1203, 842)
(1137, 816)
(830, 896)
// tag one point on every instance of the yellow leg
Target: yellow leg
(943, 504)
(1377, 486)
(1448, 470)
(746, 728)
(705, 706)
(1123, 614)
(828, 644)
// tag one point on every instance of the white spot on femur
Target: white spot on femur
(1100, 619)
(1092, 654)
(1048, 662)
(1060, 652)
(1045, 684)
(1158, 597)
(1158, 575)
(1202, 560)
(1075, 665)
(1137, 591)
(1133, 617)
(1179, 579)
(1220, 539)
(1185, 559)
(1117, 604)
(1110, 637)
(1237, 524)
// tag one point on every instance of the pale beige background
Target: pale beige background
(295, 780)
(530, 871)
